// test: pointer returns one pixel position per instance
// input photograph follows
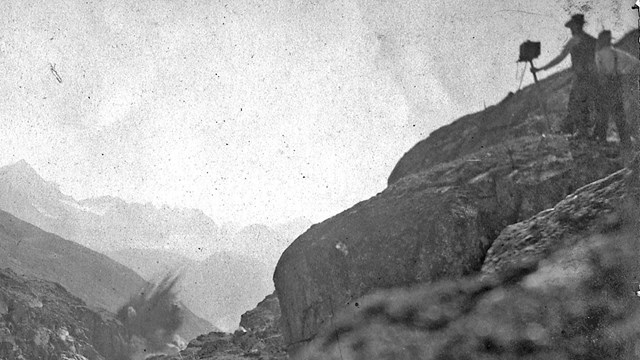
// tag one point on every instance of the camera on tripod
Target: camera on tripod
(529, 50)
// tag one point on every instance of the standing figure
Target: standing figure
(585, 88)
(612, 64)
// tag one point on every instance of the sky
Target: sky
(256, 111)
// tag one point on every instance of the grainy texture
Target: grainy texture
(429, 225)
(41, 320)
(517, 115)
(261, 339)
(447, 201)
(578, 303)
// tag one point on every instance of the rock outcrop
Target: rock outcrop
(560, 285)
(591, 209)
(41, 320)
(433, 224)
(262, 326)
(448, 199)
(515, 116)
(98, 280)
(258, 338)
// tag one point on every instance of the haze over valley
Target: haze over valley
(224, 271)
(211, 179)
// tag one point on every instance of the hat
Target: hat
(605, 34)
(577, 19)
(604, 39)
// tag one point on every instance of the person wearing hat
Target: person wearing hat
(611, 65)
(585, 88)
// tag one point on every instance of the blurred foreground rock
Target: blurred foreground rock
(560, 285)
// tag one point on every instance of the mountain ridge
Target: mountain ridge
(96, 278)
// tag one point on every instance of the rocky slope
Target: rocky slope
(439, 223)
(448, 200)
(41, 320)
(258, 338)
(517, 115)
(560, 285)
(98, 280)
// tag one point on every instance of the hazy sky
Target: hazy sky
(255, 111)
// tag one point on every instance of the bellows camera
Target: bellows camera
(529, 50)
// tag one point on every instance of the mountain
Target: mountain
(42, 320)
(108, 224)
(100, 281)
(221, 287)
(260, 242)
(224, 286)
(104, 223)
(151, 264)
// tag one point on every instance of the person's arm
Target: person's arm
(558, 59)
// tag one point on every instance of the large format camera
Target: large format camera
(529, 50)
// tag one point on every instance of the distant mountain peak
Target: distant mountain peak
(22, 173)
(20, 167)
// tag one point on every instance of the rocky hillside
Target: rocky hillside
(258, 338)
(41, 320)
(517, 115)
(98, 280)
(560, 285)
(439, 223)
(448, 200)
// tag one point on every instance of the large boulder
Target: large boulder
(429, 225)
(569, 220)
(383, 242)
(560, 285)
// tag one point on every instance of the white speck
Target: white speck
(342, 247)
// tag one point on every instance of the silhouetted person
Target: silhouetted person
(612, 64)
(585, 89)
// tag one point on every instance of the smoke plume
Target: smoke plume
(152, 318)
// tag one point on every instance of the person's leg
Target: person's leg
(568, 125)
(602, 110)
(617, 111)
(583, 100)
